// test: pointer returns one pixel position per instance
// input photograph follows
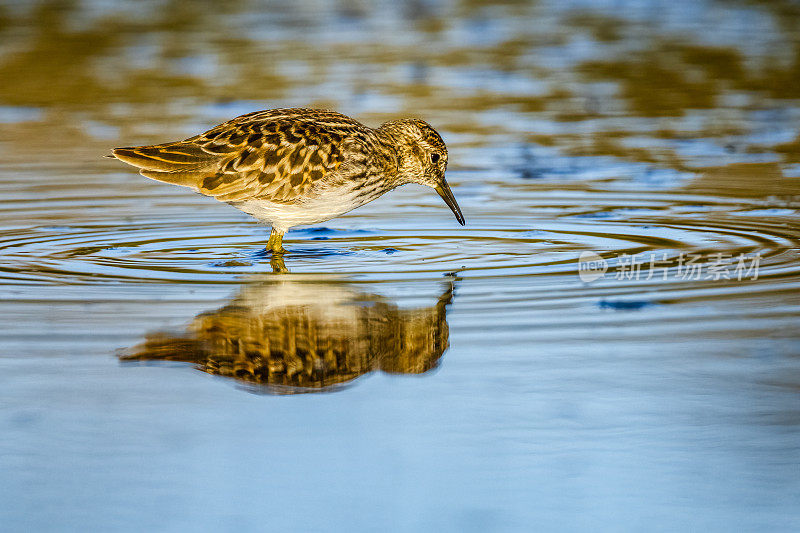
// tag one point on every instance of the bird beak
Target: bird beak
(447, 195)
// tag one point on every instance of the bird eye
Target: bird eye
(435, 157)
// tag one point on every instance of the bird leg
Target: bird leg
(277, 264)
(275, 242)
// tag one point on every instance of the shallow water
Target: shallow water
(157, 370)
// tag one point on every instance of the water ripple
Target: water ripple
(177, 245)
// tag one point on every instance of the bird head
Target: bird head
(422, 158)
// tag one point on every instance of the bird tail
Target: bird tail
(179, 163)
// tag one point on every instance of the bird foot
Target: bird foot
(277, 264)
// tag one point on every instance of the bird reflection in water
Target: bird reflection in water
(292, 335)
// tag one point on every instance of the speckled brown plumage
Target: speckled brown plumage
(299, 166)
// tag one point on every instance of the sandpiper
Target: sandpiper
(289, 167)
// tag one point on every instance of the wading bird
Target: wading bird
(288, 167)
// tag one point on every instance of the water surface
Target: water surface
(159, 371)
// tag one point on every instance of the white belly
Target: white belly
(322, 207)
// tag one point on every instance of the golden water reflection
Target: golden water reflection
(587, 81)
(290, 335)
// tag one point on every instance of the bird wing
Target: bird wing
(272, 155)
